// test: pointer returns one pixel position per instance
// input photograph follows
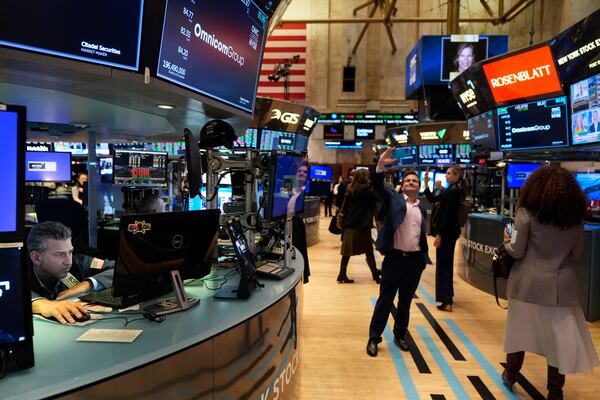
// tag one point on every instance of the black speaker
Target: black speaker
(348, 79)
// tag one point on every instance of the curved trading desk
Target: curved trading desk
(227, 349)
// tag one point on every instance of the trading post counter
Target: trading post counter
(218, 349)
(482, 235)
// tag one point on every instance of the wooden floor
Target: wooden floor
(334, 335)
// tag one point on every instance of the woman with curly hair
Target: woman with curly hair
(358, 221)
(544, 313)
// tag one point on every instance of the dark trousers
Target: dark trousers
(444, 271)
(328, 204)
(401, 274)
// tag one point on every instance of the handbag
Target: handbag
(502, 263)
(333, 226)
(339, 215)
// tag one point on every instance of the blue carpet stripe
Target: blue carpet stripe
(426, 295)
(407, 383)
(485, 364)
(451, 378)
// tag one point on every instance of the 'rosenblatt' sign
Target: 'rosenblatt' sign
(524, 75)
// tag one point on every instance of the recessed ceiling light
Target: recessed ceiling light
(166, 106)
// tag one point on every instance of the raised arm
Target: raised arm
(378, 187)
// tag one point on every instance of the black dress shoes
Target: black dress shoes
(401, 343)
(372, 348)
(445, 307)
(507, 381)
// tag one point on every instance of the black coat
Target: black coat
(446, 222)
(359, 207)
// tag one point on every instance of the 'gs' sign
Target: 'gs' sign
(287, 117)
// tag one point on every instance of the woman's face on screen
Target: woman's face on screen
(465, 59)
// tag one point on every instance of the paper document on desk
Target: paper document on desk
(110, 335)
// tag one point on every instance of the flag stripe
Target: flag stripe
(283, 44)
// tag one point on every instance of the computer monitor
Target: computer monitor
(364, 132)
(12, 154)
(139, 168)
(422, 179)
(436, 154)
(318, 188)
(517, 174)
(287, 186)
(462, 153)
(406, 155)
(482, 131)
(152, 245)
(47, 166)
(440, 176)
(585, 111)
(106, 169)
(246, 264)
(322, 172)
(590, 184)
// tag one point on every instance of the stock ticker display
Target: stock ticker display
(140, 168)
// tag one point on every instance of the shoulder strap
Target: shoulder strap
(496, 293)
(344, 202)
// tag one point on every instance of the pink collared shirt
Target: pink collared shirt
(408, 234)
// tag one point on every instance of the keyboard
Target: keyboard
(105, 298)
(273, 271)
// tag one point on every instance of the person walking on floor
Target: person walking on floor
(446, 229)
(544, 312)
(357, 209)
(402, 238)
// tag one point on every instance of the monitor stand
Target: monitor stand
(182, 302)
(242, 291)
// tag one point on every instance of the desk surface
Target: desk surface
(62, 364)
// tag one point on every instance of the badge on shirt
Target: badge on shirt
(69, 281)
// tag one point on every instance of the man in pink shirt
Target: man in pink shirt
(402, 238)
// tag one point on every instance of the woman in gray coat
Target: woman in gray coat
(544, 313)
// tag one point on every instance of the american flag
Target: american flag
(285, 42)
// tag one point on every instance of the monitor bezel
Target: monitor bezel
(165, 183)
(57, 152)
(570, 104)
(272, 178)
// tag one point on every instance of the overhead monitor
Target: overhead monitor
(406, 155)
(47, 166)
(322, 172)
(171, 148)
(78, 30)
(214, 48)
(482, 131)
(333, 131)
(80, 149)
(585, 111)
(343, 144)
(517, 174)
(12, 130)
(286, 141)
(422, 180)
(525, 75)
(590, 184)
(287, 186)
(440, 176)
(106, 169)
(139, 168)
(462, 153)
(362, 132)
(436, 154)
(533, 125)
(39, 146)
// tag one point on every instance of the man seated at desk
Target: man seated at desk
(56, 274)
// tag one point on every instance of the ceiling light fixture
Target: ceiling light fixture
(166, 106)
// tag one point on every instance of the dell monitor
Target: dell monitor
(153, 245)
(139, 168)
(517, 174)
(533, 125)
(585, 111)
(47, 166)
(287, 186)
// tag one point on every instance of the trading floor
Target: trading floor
(455, 355)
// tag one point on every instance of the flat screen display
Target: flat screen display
(437, 154)
(333, 131)
(590, 184)
(318, 188)
(214, 48)
(343, 144)
(106, 169)
(249, 140)
(406, 155)
(288, 141)
(517, 174)
(15, 315)
(139, 168)
(322, 172)
(80, 149)
(12, 130)
(364, 132)
(171, 148)
(462, 153)
(47, 166)
(525, 75)
(223, 196)
(482, 132)
(422, 179)
(537, 124)
(103, 32)
(585, 110)
(288, 180)
(441, 176)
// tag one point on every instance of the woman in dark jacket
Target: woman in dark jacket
(358, 221)
(446, 228)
